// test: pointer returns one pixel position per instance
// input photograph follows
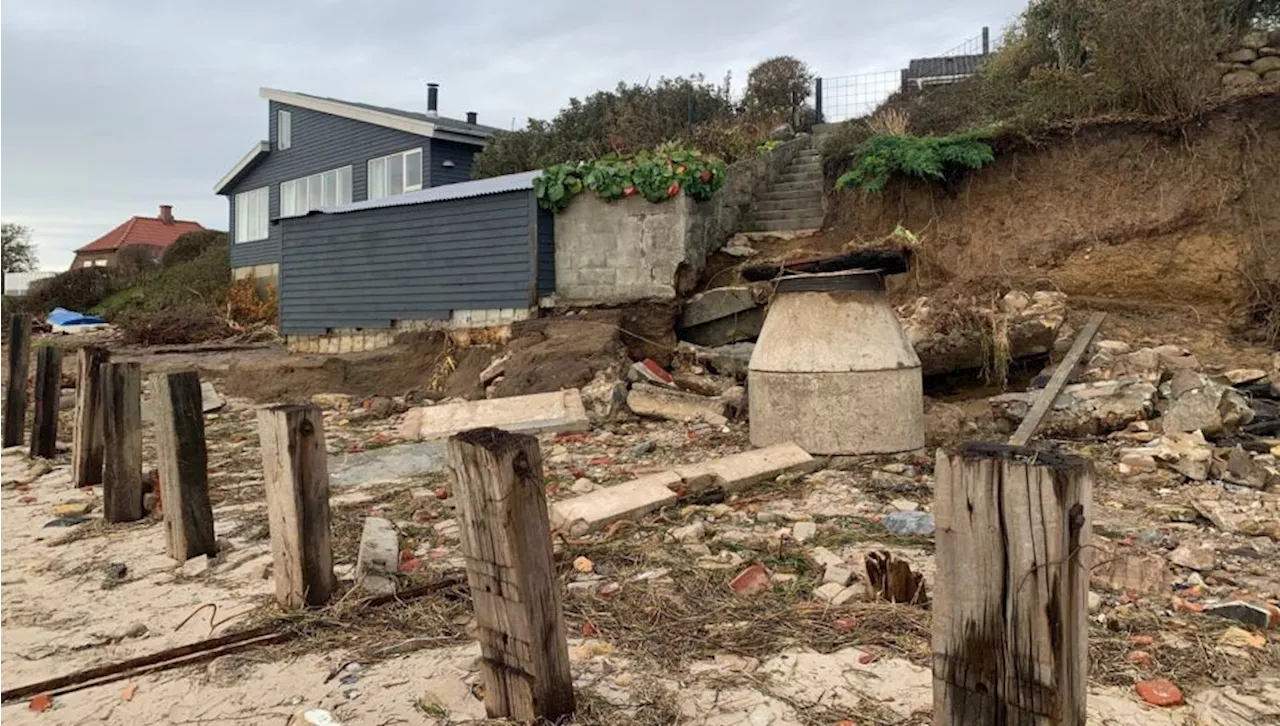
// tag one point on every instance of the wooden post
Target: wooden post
(184, 475)
(44, 424)
(15, 391)
(122, 442)
(86, 441)
(506, 539)
(293, 463)
(1010, 606)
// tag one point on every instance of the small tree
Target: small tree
(17, 251)
(779, 85)
(191, 245)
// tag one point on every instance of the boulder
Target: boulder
(1240, 79)
(604, 397)
(1240, 55)
(1188, 454)
(1254, 39)
(1199, 403)
(1265, 65)
(1084, 409)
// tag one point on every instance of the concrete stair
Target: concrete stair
(794, 200)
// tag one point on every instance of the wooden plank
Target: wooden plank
(48, 397)
(293, 463)
(1044, 402)
(122, 442)
(503, 520)
(183, 465)
(1010, 630)
(18, 361)
(86, 441)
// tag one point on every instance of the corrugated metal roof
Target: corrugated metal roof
(956, 65)
(461, 190)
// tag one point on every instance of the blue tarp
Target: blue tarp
(62, 316)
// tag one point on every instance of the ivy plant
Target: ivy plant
(656, 175)
(931, 158)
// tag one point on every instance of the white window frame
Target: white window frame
(383, 176)
(253, 214)
(339, 179)
(284, 129)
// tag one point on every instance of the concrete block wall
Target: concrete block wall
(355, 340)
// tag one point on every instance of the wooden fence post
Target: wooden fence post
(183, 465)
(297, 478)
(44, 423)
(506, 539)
(122, 442)
(86, 439)
(1010, 607)
(15, 391)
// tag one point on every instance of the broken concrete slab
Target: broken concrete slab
(674, 405)
(739, 471)
(604, 397)
(210, 399)
(727, 360)
(386, 464)
(1084, 409)
(379, 557)
(602, 507)
(554, 412)
(723, 315)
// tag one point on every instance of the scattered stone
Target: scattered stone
(1198, 403)
(196, 566)
(1240, 376)
(497, 368)
(904, 505)
(1138, 460)
(751, 581)
(841, 574)
(943, 347)
(1095, 601)
(1159, 692)
(1255, 616)
(583, 485)
(1175, 358)
(1143, 575)
(210, 399)
(909, 524)
(825, 557)
(641, 449)
(804, 531)
(1112, 347)
(1084, 409)
(1187, 453)
(583, 565)
(378, 558)
(694, 532)
(1255, 39)
(834, 593)
(1140, 658)
(1245, 470)
(136, 630)
(604, 397)
(73, 509)
(1200, 559)
(313, 717)
(845, 625)
(648, 370)
(673, 405)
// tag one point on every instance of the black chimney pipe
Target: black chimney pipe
(433, 98)
(471, 117)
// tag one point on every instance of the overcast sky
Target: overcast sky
(110, 108)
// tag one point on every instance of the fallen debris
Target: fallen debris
(724, 315)
(909, 524)
(944, 347)
(1084, 409)
(1198, 403)
(673, 405)
(536, 413)
(893, 579)
(379, 555)
(601, 507)
(1256, 616)
(751, 581)
(1159, 692)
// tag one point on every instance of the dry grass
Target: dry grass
(888, 121)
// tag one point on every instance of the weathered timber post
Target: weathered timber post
(1010, 635)
(184, 475)
(44, 423)
(15, 390)
(293, 463)
(122, 442)
(506, 539)
(86, 437)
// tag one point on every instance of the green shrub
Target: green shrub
(931, 158)
(657, 176)
(191, 245)
(79, 289)
(204, 279)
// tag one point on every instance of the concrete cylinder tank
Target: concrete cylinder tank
(833, 371)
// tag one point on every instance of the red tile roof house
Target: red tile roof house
(156, 232)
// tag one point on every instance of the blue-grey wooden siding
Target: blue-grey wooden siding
(369, 268)
(320, 142)
(459, 153)
(546, 251)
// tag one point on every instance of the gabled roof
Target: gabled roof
(247, 162)
(956, 65)
(436, 127)
(142, 231)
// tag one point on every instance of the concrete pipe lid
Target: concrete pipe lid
(865, 280)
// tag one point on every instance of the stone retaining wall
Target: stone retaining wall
(1255, 59)
(355, 340)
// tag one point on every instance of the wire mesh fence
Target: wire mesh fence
(839, 98)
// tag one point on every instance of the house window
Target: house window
(100, 262)
(284, 130)
(326, 189)
(395, 174)
(251, 215)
